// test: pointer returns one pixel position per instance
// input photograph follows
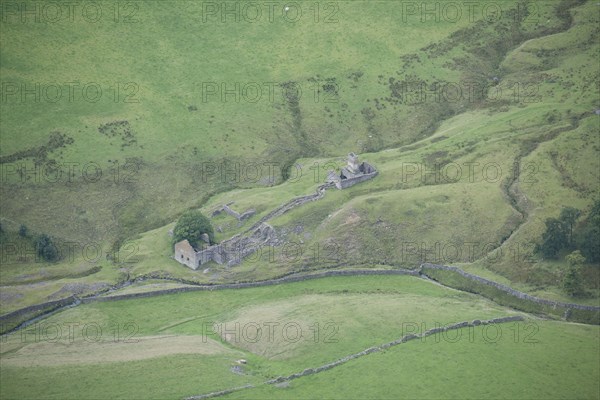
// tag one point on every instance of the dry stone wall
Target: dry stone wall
(370, 350)
(345, 183)
(504, 288)
(573, 312)
(243, 285)
(21, 317)
(507, 296)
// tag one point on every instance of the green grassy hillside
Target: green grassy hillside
(480, 129)
(482, 125)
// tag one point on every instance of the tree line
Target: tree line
(43, 244)
(564, 233)
(580, 240)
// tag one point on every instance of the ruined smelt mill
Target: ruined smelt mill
(231, 252)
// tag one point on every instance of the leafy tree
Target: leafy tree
(23, 231)
(50, 253)
(568, 217)
(588, 238)
(573, 280)
(46, 248)
(594, 216)
(588, 241)
(554, 239)
(191, 226)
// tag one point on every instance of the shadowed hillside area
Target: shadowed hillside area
(479, 123)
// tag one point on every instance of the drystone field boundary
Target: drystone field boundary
(374, 349)
(518, 300)
(505, 295)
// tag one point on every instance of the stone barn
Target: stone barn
(186, 254)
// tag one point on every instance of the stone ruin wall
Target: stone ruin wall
(370, 173)
(229, 252)
(232, 251)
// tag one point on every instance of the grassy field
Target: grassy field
(507, 366)
(131, 348)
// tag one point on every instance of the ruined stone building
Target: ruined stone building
(354, 172)
(232, 251)
(229, 252)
